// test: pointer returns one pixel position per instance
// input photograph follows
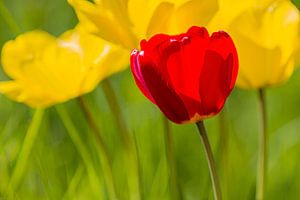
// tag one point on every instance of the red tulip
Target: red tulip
(188, 76)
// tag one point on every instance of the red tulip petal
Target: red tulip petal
(222, 43)
(165, 97)
(184, 67)
(153, 42)
(193, 106)
(198, 31)
(137, 74)
(215, 81)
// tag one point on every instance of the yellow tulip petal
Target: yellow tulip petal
(17, 54)
(191, 13)
(11, 89)
(227, 11)
(286, 23)
(140, 13)
(63, 71)
(266, 40)
(276, 25)
(283, 74)
(256, 63)
(100, 58)
(19, 92)
(160, 19)
(96, 18)
(169, 16)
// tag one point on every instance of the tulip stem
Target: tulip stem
(127, 142)
(8, 18)
(262, 153)
(210, 161)
(74, 183)
(82, 150)
(92, 124)
(24, 154)
(104, 156)
(116, 110)
(223, 150)
(169, 143)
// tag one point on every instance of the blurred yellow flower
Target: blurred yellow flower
(266, 39)
(46, 70)
(126, 22)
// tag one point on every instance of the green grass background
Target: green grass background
(55, 169)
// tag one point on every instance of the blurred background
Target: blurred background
(55, 169)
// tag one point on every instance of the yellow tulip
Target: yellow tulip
(46, 70)
(266, 38)
(228, 11)
(126, 22)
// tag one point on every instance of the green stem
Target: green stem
(210, 161)
(117, 112)
(128, 145)
(22, 161)
(104, 156)
(262, 154)
(73, 184)
(169, 144)
(8, 18)
(82, 150)
(223, 135)
(223, 150)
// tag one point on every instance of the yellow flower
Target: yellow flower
(126, 22)
(46, 70)
(228, 11)
(266, 38)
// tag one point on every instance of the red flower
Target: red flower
(188, 76)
